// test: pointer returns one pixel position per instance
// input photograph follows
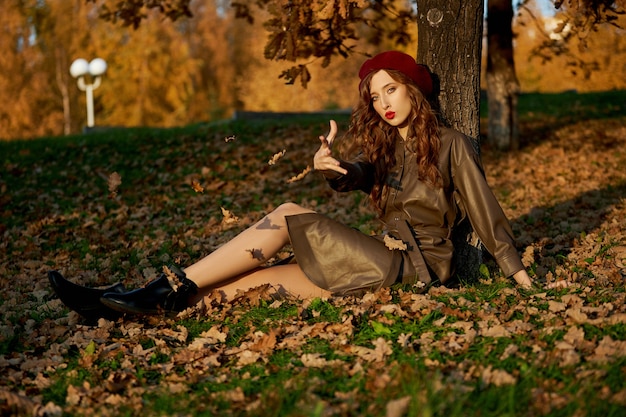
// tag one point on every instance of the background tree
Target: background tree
(215, 40)
(501, 80)
(22, 71)
(153, 78)
(450, 43)
(574, 23)
(206, 67)
(58, 40)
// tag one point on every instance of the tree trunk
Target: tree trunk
(449, 43)
(449, 35)
(502, 83)
(62, 83)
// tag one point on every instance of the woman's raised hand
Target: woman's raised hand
(323, 159)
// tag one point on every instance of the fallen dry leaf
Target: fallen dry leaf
(397, 408)
(497, 377)
(196, 186)
(381, 349)
(265, 343)
(393, 243)
(229, 217)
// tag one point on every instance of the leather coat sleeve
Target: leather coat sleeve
(482, 208)
(360, 176)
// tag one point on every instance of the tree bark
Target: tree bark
(449, 38)
(62, 83)
(449, 43)
(502, 83)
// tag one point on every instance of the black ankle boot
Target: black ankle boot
(84, 300)
(156, 297)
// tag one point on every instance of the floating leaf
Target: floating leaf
(300, 176)
(277, 157)
(196, 186)
(114, 181)
(229, 217)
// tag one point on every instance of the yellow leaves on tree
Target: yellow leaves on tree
(328, 9)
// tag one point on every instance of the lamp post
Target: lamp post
(80, 69)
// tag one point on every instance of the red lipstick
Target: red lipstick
(390, 115)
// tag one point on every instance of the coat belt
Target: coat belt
(406, 234)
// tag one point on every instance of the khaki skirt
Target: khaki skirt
(341, 259)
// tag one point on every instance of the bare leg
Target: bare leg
(247, 251)
(284, 280)
(234, 266)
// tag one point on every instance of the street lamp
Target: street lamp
(79, 69)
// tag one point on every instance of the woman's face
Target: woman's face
(390, 99)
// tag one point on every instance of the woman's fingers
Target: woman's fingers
(323, 159)
(331, 164)
(333, 132)
(522, 278)
(328, 140)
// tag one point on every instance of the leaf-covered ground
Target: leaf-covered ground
(119, 205)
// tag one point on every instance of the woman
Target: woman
(422, 179)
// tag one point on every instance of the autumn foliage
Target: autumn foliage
(166, 68)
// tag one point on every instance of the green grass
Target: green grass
(569, 105)
(572, 105)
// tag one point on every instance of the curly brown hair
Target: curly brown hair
(374, 138)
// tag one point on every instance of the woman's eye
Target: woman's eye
(375, 98)
(391, 90)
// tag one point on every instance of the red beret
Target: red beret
(394, 60)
